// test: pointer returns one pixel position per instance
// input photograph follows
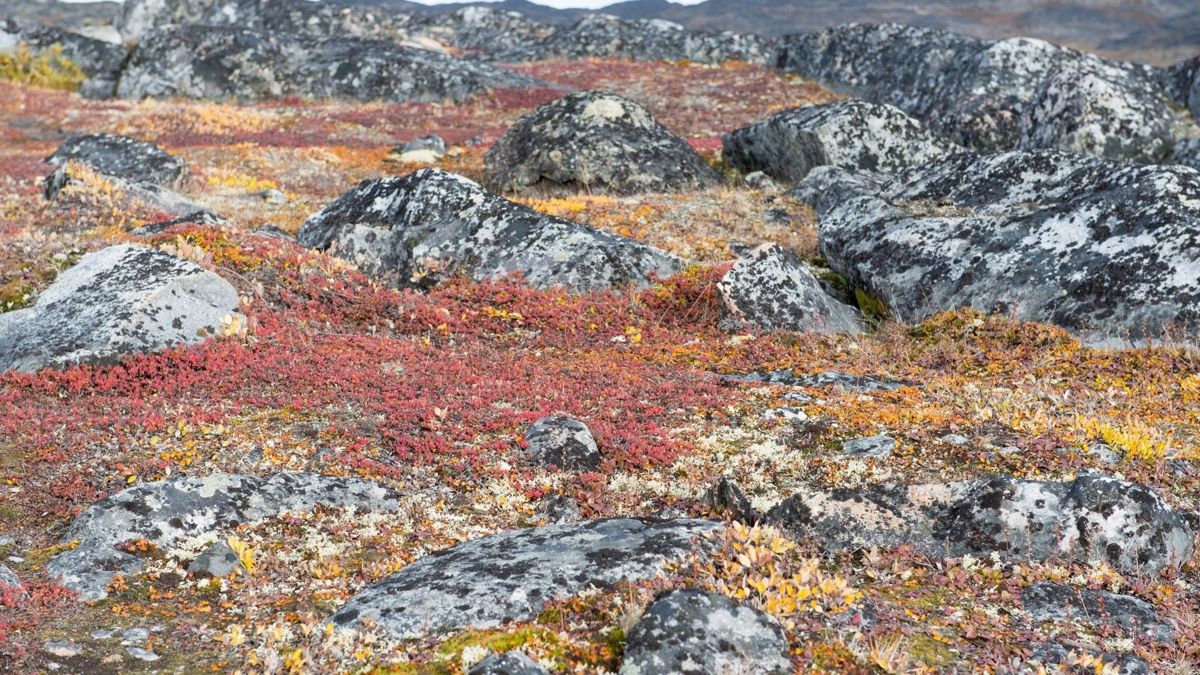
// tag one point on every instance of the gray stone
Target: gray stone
(103, 634)
(560, 509)
(135, 637)
(853, 135)
(122, 157)
(138, 19)
(162, 206)
(596, 142)
(563, 443)
(142, 654)
(870, 446)
(788, 414)
(1104, 453)
(117, 301)
(274, 232)
(1187, 152)
(100, 61)
(955, 439)
(1058, 603)
(829, 378)
(218, 560)
(425, 149)
(166, 512)
(725, 498)
(9, 578)
(511, 576)
(693, 632)
(63, 649)
(390, 227)
(1109, 251)
(1054, 654)
(772, 289)
(1093, 518)
(509, 663)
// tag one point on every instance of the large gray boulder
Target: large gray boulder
(1091, 519)
(117, 301)
(1056, 603)
(1109, 251)
(165, 513)
(852, 135)
(390, 227)
(99, 61)
(511, 576)
(693, 632)
(138, 18)
(595, 142)
(993, 95)
(771, 288)
(239, 63)
(122, 157)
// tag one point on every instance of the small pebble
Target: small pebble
(142, 654)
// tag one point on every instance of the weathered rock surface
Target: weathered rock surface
(693, 632)
(239, 63)
(511, 576)
(167, 512)
(393, 226)
(425, 150)
(1058, 603)
(1093, 518)
(563, 443)
(869, 446)
(114, 302)
(509, 663)
(826, 379)
(100, 61)
(9, 578)
(1187, 152)
(1109, 251)
(1182, 84)
(1067, 658)
(138, 18)
(160, 206)
(218, 560)
(481, 32)
(993, 95)
(122, 157)
(597, 142)
(852, 135)
(772, 289)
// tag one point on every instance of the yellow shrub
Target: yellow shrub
(47, 68)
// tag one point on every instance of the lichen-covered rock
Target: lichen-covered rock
(603, 35)
(481, 32)
(239, 63)
(1093, 518)
(9, 578)
(563, 443)
(828, 378)
(993, 95)
(1058, 603)
(138, 18)
(772, 289)
(1187, 152)
(218, 560)
(164, 513)
(694, 632)
(869, 446)
(511, 576)
(853, 135)
(123, 157)
(99, 61)
(1109, 251)
(160, 206)
(596, 142)
(393, 226)
(508, 663)
(117, 301)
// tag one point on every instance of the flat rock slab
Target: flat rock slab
(563, 443)
(772, 289)
(1058, 603)
(1109, 251)
(693, 632)
(593, 141)
(828, 378)
(117, 301)
(393, 227)
(124, 157)
(1093, 518)
(511, 576)
(869, 446)
(166, 512)
(852, 135)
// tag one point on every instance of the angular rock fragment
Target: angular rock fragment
(693, 632)
(218, 560)
(166, 512)
(1058, 603)
(122, 157)
(563, 443)
(511, 576)
(593, 141)
(9, 578)
(771, 288)
(396, 228)
(852, 135)
(117, 301)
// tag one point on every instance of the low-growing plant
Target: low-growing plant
(46, 68)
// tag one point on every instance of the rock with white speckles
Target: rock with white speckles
(693, 632)
(853, 135)
(563, 443)
(1092, 519)
(511, 576)
(117, 301)
(123, 157)
(9, 578)
(772, 289)
(394, 228)
(509, 663)
(593, 141)
(166, 512)
(1058, 604)
(1108, 251)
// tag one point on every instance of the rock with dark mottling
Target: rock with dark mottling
(508, 663)
(218, 560)
(1057, 603)
(117, 301)
(1066, 659)
(165, 513)
(1091, 519)
(122, 157)
(596, 142)
(137, 19)
(396, 228)
(828, 378)
(694, 632)
(1187, 152)
(99, 61)
(209, 62)
(562, 443)
(424, 150)
(772, 289)
(161, 207)
(511, 576)
(869, 446)
(1109, 251)
(853, 135)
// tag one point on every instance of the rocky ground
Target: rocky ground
(538, 367)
